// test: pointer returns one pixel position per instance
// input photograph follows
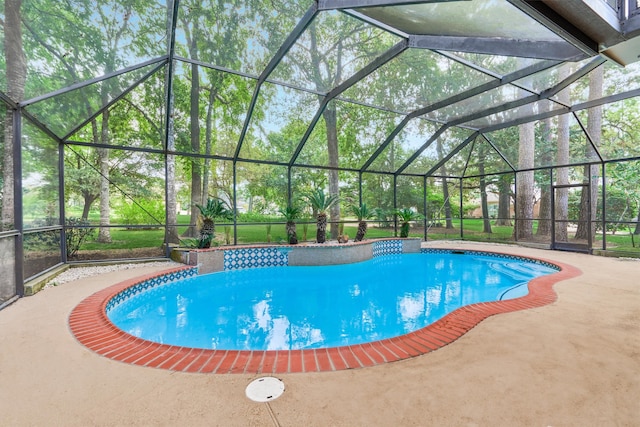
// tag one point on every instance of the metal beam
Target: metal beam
(378, 62)
(216, 67)
(306, 20)
(43, 128)
(578, 107)
(588, 136)
(497, 150)
(86, 83)
(469, 64)
(546, 16)
(606, 100)
(421, 149)
(522, 120)
(114, 100)
(452, 153)
(10, 102)
(18, 205)
(555, 50)
(532, 69)
(509, 78)
(532, 98)
(386, 142)
(595, 63)
(466, 165)
(381, 25)
(355, 4)
(300, 28)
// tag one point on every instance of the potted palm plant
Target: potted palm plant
(215, 208)
(290, 214)
(406, 215)
(321, 204)
(362, 213)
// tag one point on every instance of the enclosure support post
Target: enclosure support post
(515, 207)
(461, 213)
(552, 191)
(589, 220)
(235, 206)
(17, 203)
(424, 207)
(604, 207)
(395, 205)
(359, 188)
(61, 210)
(289, 193)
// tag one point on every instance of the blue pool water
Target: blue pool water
(278, 308)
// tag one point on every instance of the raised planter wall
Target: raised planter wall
(235, 257)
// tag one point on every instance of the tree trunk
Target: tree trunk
(16, 75)
(194, 126)
(104, 233)
(88, 201)
(321, 228)
(291, 233)
(637, 230)
(544, 215)
(589, 198)
(504, 201)
(525, 194)
(445, 188)
(486, 222)
(208, 145)
(171, 203)
(562, 174)
(331, 123)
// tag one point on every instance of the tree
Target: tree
(212, 210)
(504, 200)
(562, 158)
(445, 187)
(16, 68)
(525, 195)
(544, 214)
(406, 215)
(486, 222)
(362, 213)
(333, 45)
(290, 214)
(589, 198)
(321, 204)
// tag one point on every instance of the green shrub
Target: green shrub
(76, 233)
(143, 211)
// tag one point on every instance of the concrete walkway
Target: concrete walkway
(575, 362)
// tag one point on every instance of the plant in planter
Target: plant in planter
(406, 215)
(362, 213)
(290, 214)
(342, 237)
(214, 209)
(321, 204)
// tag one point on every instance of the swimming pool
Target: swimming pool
(289, 308)
(89, 323)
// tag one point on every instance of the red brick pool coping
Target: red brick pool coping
(92, 328)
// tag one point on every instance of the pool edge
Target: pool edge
(89, 324)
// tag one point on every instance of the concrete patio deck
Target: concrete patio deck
(573, 362)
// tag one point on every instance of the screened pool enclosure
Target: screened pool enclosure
(494, 120)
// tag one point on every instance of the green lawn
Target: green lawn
(123, 238)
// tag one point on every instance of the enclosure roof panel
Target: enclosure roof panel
(480, 18)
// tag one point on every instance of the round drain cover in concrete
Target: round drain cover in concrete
(264, 389)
